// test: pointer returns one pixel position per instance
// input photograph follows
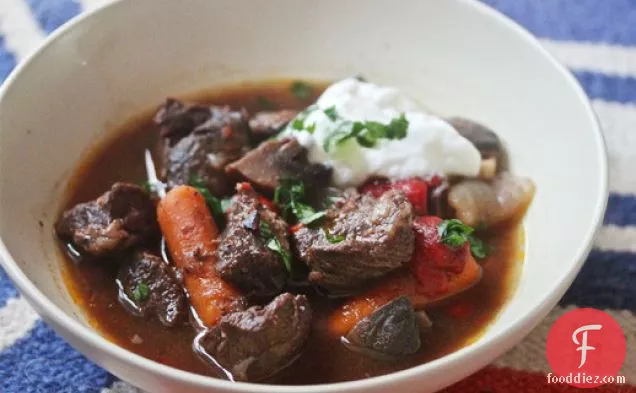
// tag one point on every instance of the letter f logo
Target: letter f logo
(584, 347)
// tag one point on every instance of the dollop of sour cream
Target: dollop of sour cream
(431, 146)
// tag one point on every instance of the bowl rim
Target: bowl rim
(470, 354)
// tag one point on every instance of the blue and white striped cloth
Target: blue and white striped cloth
(594, 38)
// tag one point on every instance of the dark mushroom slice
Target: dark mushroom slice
(487, 203)
(486, 141)
(361, 239)
(254, 344)
(201, 141)
(149, 286)
(278, 159)
(391, 330)
(243, 256)
(266, 124)
(119, 219)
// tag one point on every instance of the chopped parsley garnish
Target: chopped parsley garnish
(455, 233)
(298, 124)
(333, 239)
(265, 104)
(225, 204)
(213, 202)
(309, 217)
(301, 90)
(397, 127)
(146, 186)
(360, 78)
(367, 133)
(272, 243)
(478, 248)
(141, 292)
(331, 113)
(299, 121)
(264, 230)
(290, 197)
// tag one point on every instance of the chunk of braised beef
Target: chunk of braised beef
(362, 239)
(176, 119)
(148, 286)
(256, 343)
(120, 218)
(266, 124)
(200, 141)
(279, 159)
(243, 258)
(393, 330)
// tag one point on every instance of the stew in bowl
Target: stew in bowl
(294, 233)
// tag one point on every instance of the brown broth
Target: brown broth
(325, 359)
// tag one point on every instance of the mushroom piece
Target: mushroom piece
(479, 202)
(486, 141)
(393, 330)
(488, 168)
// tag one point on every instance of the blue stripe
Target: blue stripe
(606, 281)
(43, 362)
(607, 88)
(621, 210)
(52, 14)
(7, 60)
(7, 290)
(580, 20)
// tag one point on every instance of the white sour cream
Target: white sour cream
(431, 146)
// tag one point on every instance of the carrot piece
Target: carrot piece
(402, 282)
(191, 236)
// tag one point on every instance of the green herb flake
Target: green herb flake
(455, 233)
(361, 78)
(290, 198)
(331, 113)
(264, 230)
(265, 104)
(397, 127)
(345, 131)
(298, 124)
(141, 292)
(334, 239)
(301, 90)
(367, 133)
(478, 248)
(213, 202)
(146, 186)
(225, 204)
(299, 121)
(272, 243)
(313, 218)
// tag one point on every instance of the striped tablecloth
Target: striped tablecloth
(596, 39)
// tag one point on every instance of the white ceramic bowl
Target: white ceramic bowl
(458, 57)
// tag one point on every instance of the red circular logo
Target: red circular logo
(585, 348)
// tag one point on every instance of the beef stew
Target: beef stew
(277, 273)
